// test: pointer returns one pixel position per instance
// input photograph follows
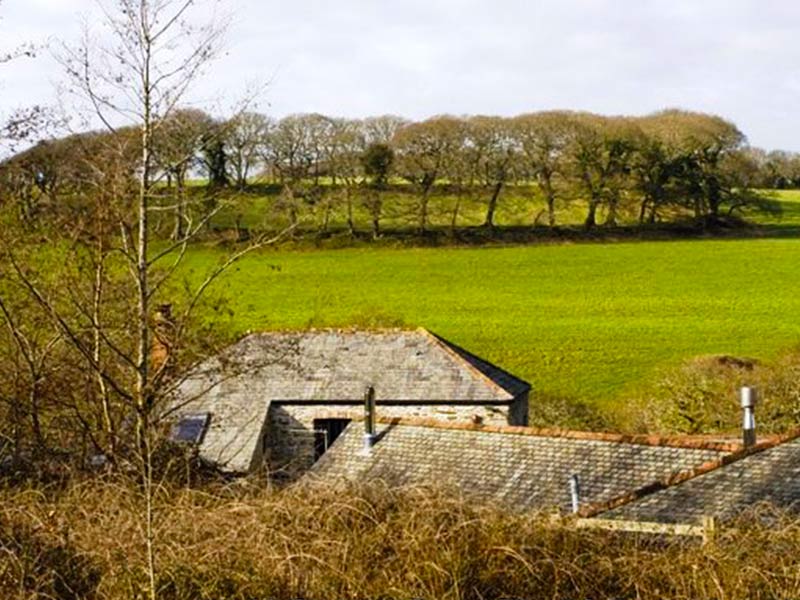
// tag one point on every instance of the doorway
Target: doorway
(325, 433)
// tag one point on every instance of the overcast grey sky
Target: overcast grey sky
(737, 58)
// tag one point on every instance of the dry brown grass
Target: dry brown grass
(310, 542)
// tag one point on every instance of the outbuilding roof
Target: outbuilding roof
(238, 386)
(767, 473)
(519, 467)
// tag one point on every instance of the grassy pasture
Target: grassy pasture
(519, 205)
(788, 224)
(594, 322)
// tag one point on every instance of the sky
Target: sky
(417, 58)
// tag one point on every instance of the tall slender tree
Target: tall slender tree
(156, 52)
(543, 140)
(494, 151)
(423, 150)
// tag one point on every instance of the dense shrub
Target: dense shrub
(37, 559)
(568, 413)
(701, 396)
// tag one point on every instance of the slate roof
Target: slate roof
(519, 467)
(238, 386)
(768, 473)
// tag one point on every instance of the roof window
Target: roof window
(189, 429)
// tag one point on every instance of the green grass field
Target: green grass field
(587, 321)
(790, 206)
(519, 206)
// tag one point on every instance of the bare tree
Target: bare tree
(7, 55)
(423, 150)
(245, 137)
(382, 129)
(777, 169)
(289, 154)
(346, 146)
(286, 150)
(543, 140)
(178, 141)
(26, 369)
(494, 150)
(20, 126)
(30, 342)
(139, 79)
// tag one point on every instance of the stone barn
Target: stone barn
(279, 400)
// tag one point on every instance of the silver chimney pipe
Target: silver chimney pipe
(575, 491)
(369, 419)
(748, 397)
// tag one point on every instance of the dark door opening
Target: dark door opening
(325, 433)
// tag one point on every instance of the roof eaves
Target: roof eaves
(684, 442)
(438, 342)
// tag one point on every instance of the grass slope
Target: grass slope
(588, 321)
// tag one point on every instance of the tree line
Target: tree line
(669, 166)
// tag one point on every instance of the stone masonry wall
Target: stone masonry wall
(288, 441)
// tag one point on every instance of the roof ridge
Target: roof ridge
(475, 371)
(332, 329)
(429, 336)
(686, 442)
(676, 478)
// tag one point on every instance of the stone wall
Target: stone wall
(289, 441)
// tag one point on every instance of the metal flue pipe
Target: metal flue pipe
(749, 399)
(369, 419)
(575, 492)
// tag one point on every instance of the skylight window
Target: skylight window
(189, 429)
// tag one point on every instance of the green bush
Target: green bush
(701, 396)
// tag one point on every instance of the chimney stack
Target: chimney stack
(369, 419)
(163, 336)
(749, 398)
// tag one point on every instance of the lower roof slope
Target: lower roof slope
(519, 467)
(238, 410)
(767, 475)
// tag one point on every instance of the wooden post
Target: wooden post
(709, 529)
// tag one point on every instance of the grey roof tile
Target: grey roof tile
(238, 386)
(517, 467)
(768, 476)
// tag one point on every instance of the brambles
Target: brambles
(371, 542)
